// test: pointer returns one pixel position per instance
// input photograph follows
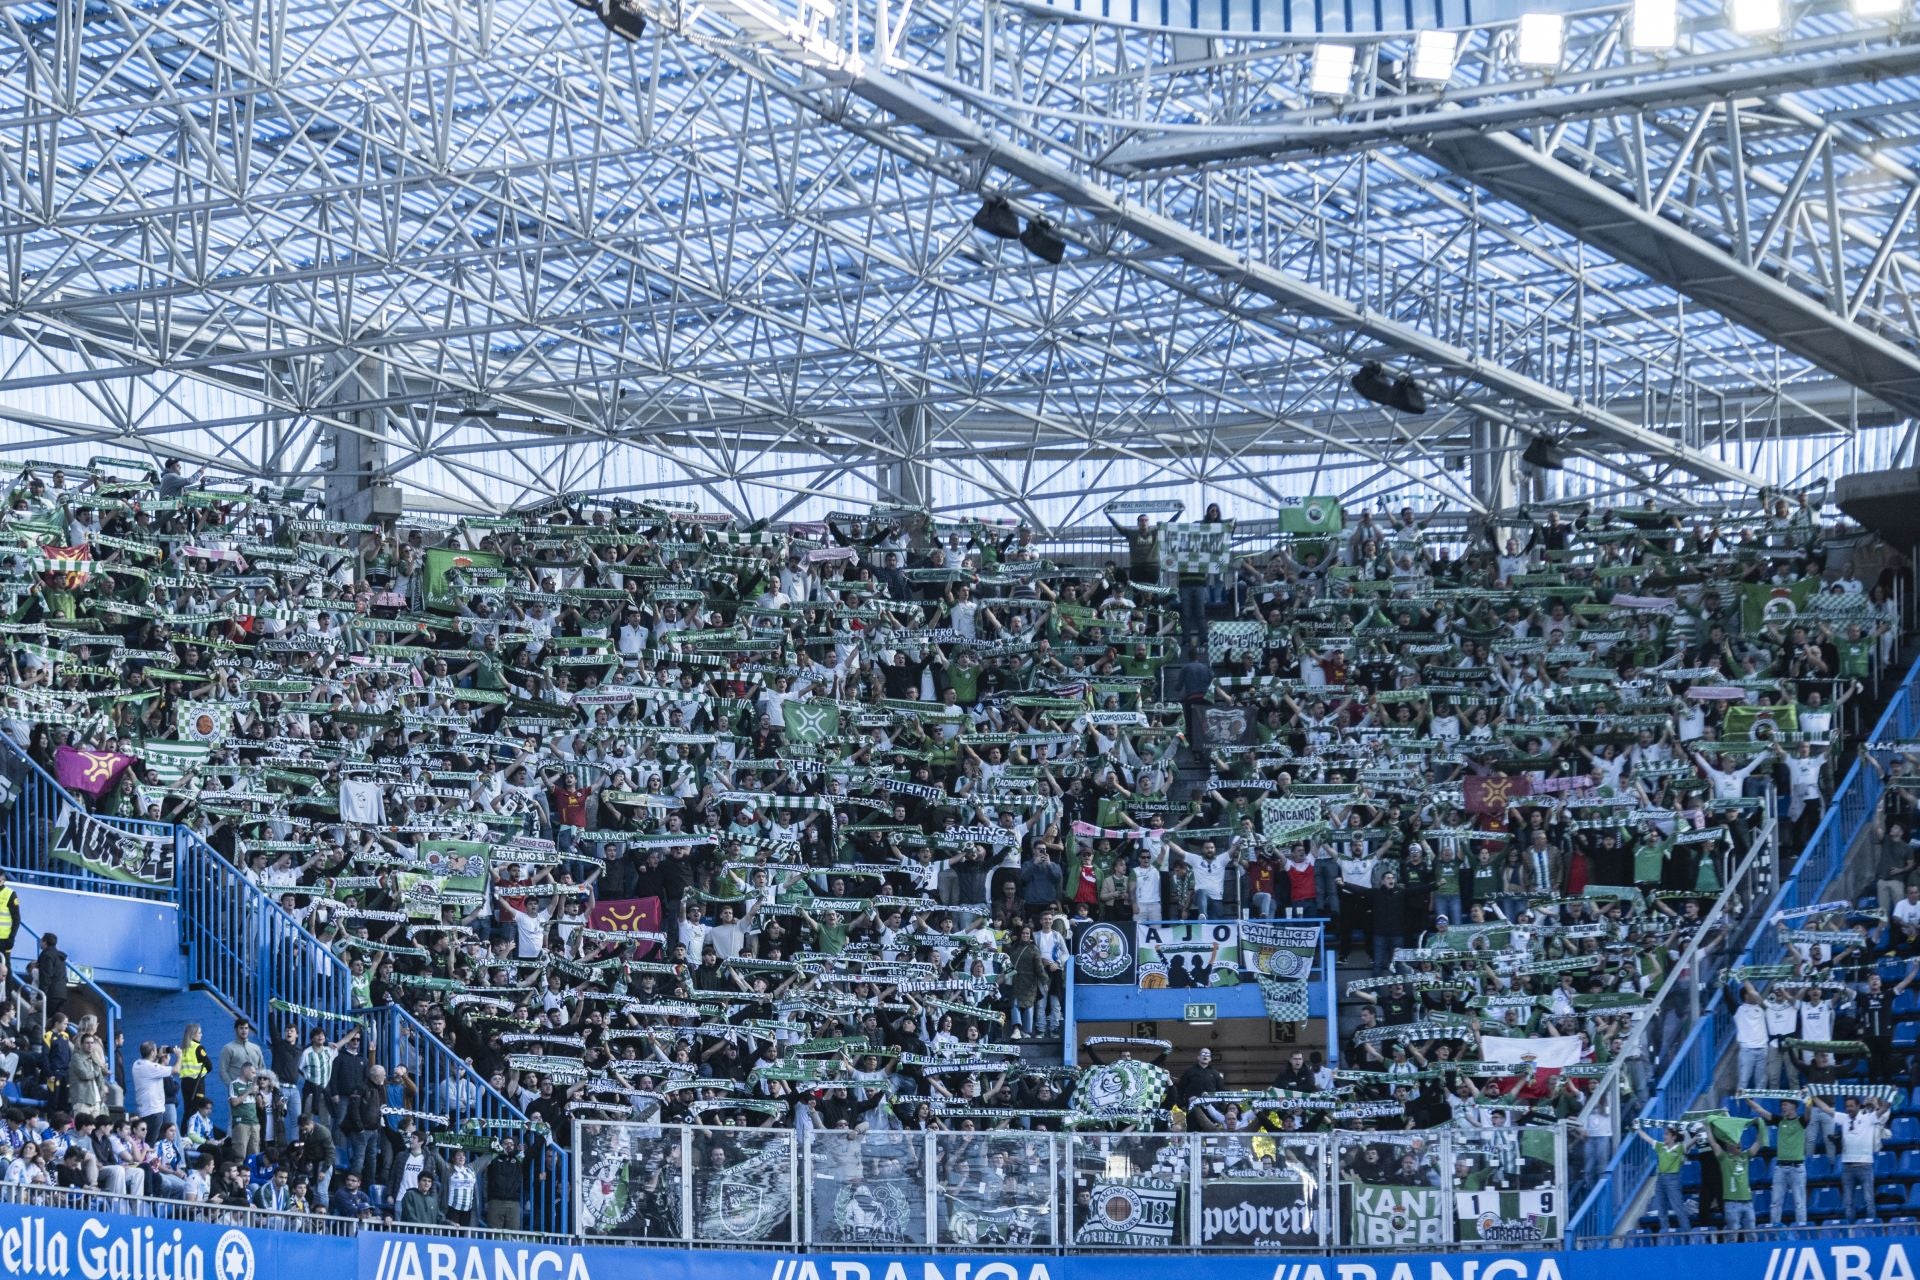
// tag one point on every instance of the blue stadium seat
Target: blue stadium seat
(1906, 1131)
(1906, 1035)
(1909, 1164)
(1824, 1201)
(1907, 1001)
(1822, 1169)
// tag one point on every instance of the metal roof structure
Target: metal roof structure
(490, 252)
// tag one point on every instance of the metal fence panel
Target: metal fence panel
(745, 1186)
(1262, 1191)
(866, 1189)
(1393, 1190)
(1508, 1186)
(999, 1189)
(1129, 1191)
(632, 1182)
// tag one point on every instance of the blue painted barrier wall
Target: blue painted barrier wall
(129, 942)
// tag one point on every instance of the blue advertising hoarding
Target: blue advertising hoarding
(66, 1244)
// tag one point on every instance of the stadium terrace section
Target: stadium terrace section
(756, 866)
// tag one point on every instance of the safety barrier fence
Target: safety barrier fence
(249, 951)
(1020, 1190)
(1692, 1067)
(448, 1087)
(1675, 1008)
(50, 1233)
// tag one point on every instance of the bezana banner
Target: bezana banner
(1392, 1217)
(1258, 1213)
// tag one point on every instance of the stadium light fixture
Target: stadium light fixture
(1540, 41)
(997, 218)
(1878, 8)
(1655, 25)
(1434, 52)
(1756, 17)
(1330, 74)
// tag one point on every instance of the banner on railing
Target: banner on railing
(79, 838)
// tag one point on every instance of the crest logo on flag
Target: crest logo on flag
(809, 722)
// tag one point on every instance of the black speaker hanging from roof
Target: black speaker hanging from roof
(1544, 454)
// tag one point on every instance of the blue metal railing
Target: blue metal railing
(1692, 1068)
(78, 978)
(448, 1085)
(248, 951)
(25, 827)
(244, 946)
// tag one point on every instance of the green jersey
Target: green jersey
(1733, 1176)
(1790, 1140)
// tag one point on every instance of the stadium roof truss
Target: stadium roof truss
(505, 249)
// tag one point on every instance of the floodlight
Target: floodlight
(1877, 8)
(997, 218)
(1756, 17)
(1656, 25)
(1539, 41)
(1330, 75)
(1433, 54)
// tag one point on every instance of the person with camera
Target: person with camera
(150, 1072)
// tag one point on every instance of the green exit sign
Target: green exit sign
(1202, 1012)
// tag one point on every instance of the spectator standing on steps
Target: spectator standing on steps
(1196, 683)
(150, 1072)
(51, 976)
(240, 1052)
(195, 1066)
(1893, 860)
(1200, 1079)
(9, 923)
(1736, 1186)
(1862, 1129)
(504, 1177)
(1789, 1161)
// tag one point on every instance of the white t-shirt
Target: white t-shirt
(150, 1087)
(1750, 1026)
(1859, 1136)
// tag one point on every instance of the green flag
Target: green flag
(1742, 720)
(1730, 1129)
(1763, 602)
(471, 566)
(1311, 515)
(811, 722)
(204, 721)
